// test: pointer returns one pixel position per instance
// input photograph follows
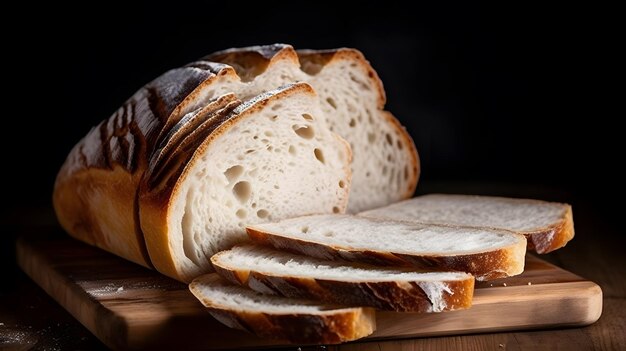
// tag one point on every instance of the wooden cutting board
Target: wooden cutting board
(128, 306)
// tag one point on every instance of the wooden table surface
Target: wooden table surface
(28, 317)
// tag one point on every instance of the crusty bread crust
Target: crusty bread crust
(554, 237)
(96, 188)
(392, 296)
(500, 263)
(334, 327)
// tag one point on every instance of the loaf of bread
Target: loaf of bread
(171, 179)
(295, 320)
(271, 271)
(267, 158)
(485, 253)
(547, 225)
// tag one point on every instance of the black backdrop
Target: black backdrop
(492, 95)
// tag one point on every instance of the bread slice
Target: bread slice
(385, 164)
(485, 253)
(547, 225)
(295, 320)
(271, 271)
(270, 158)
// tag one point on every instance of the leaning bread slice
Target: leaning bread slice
(271, 271)
(385, 164)
(295, 320)
(485, 253)
(270, 158)
(547, 225)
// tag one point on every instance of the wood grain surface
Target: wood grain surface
(128, 306)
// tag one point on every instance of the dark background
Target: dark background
(509, 100)
(500, 100)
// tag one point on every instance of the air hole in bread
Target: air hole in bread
(249, 151)
(305, 132)
(276, 107)
(304, 230)
(255, 137)
(406, 173)
(274, 118)
(307, 116)
(268, 133)
(331, 102)
(342, 184)
(385, 170)
(241, 213)
(390, 158)
(319, 155)
(262, 213)
(352, 123)
(389, 139)
(242, 191)
(329, 234)
(292, 149)
(371, 138)
(336, 209)
(233, 173)
(399, 144)
(367, 174)
(253, 205)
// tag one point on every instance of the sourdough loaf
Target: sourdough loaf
(547, 225)
(275, 317)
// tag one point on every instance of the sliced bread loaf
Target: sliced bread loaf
(277, 272)
(485, 253)
(269, 158)
(547, 225)
(295, 320)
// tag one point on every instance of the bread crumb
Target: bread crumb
(121, 288)
(503, 284)
(490, 284)
(1, 324)
(529, 283)
(501, 345)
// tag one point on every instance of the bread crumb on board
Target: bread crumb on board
(503, 284)
(529, 283)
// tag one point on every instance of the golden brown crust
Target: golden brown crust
(504, 262)
(347, 325)
(554, 237)
(96, 188)
(392, 296)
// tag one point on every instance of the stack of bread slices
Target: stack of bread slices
(275, 182)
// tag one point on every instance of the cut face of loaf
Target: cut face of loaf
(271, 271)
(385, 167)
(295, 320)
(547, 225)
(272, 157)
(485, 253)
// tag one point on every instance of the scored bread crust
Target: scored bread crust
(156, 207)
(400, 296)
(95, 192)
(254, 60)
(329, 327)
(499, 263)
